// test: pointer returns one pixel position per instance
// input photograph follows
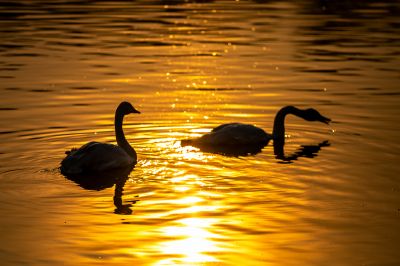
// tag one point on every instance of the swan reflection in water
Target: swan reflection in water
(107, 180)
(308, 151)
(236, 139)
(96, 166)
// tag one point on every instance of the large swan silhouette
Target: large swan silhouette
(237, 139)
(97, 158)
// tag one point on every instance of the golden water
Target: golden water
(188, 67)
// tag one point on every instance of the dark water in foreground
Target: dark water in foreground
(65, 66)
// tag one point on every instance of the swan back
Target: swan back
(95, 157)
(234, 134)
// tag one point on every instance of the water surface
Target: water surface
(188, 67)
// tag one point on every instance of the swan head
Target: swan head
(126, 108)
(313, 115)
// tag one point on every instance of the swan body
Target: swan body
(96, 157)
(232, 134)
(248, 138)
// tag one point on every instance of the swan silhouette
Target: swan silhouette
(238, 139)
(96, 157)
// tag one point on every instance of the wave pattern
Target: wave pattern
(189, 66)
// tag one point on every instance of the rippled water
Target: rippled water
(188, 67)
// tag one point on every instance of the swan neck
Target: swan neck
(279, 122)
(120, 136)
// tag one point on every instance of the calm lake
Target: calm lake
(189, 66)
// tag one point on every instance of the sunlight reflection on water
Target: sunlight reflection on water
(196, 241)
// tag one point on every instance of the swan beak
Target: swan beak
(135, 111)
(325, 120)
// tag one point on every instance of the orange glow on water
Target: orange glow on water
(329, 197)
(194, 242)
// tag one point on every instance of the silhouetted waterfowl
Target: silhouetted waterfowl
(96, 157)
(242, 139)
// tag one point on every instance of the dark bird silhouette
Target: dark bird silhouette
(97, 166)
(236, 139)
(96, 157)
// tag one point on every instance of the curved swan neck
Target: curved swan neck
(120, 136)
(278, 132)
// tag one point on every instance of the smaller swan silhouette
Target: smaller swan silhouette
(241, 139)
(96, 157)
